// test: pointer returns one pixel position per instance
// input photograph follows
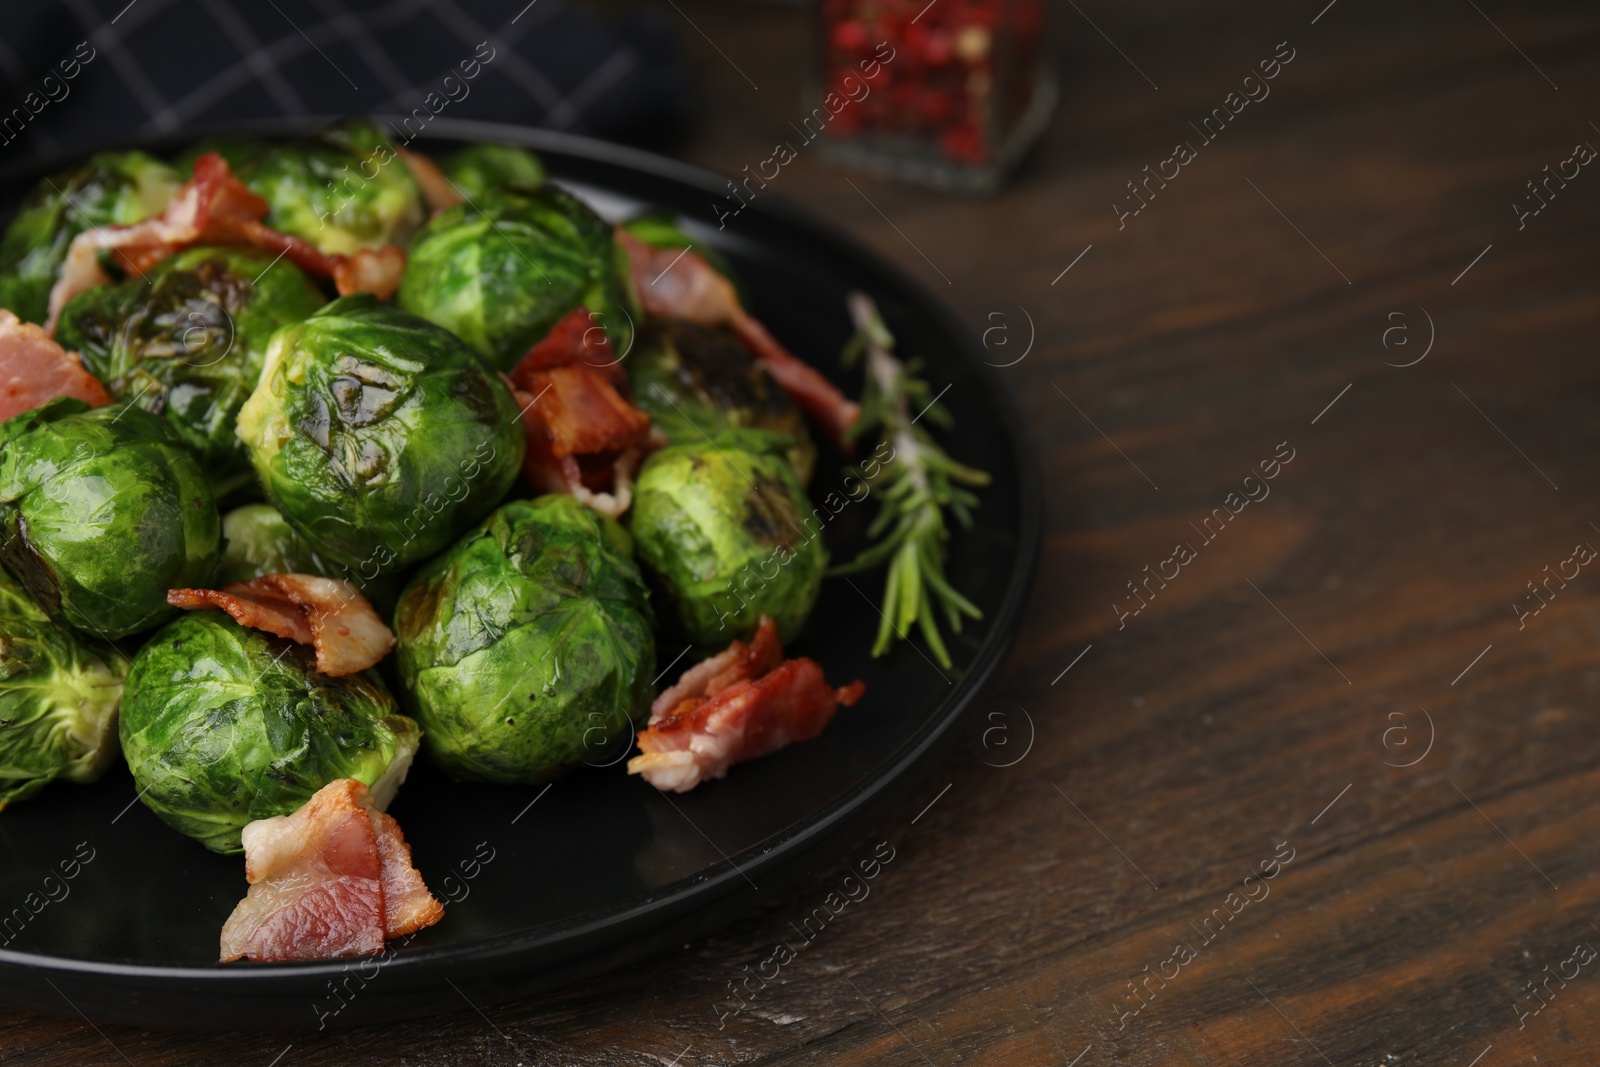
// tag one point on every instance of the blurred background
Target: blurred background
(950, 93)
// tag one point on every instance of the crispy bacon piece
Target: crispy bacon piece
(585, 437)
(316, 883)
(437, 189)
(369, 270)
(212, 207)
(35, 370)
(742, 707)
(327, 613)
(334, 879)
(576, 341)
(407, 904)
(582, 413)
(604, 484)
(688, 287)
(735, 663)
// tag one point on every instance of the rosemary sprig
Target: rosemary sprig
(916, 486)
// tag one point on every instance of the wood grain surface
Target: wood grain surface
(1335, 688)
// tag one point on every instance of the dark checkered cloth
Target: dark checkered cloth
(75, 73)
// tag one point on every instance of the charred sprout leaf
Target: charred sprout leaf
(501, 269)
(915, 486)
(222, 725)
(526, 648)
(58, 700)
(187, 342)
(725, 529)
(476, 169)
(112, 188)
(343, 189)
(378, 435)
(101, 512)
(696, 381)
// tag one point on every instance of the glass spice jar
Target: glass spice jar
(947, 93)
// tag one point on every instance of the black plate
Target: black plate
(542, 886)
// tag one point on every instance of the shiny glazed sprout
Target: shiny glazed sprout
(378, 435)
(58, 700)
(222, 725)
(187, 341)
(527, 648)
(725, 530)
(101, 512)
(500, 271)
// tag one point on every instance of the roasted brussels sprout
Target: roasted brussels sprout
(725, 529)
(112, 188)
(501, 271)
(222, 724)
(695, 381)
(527, 647)
(258, 540)
(58, 700)
(378, 435)
(343, 189)
(101, 512)
(476, 169)
(187, 341)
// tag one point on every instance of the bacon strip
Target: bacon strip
(437, 190)
(35, 370)
(367, 270)
(688, 287)
(575, 341)
(213, 207)
(327, 613)
(740, 708)
(602, 480)
(407, 904)
(585, 437)
(316, 883)
(332, 880)
(582, 413)
(711, 676)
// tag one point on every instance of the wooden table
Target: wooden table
(1333, 685)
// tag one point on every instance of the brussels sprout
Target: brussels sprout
(101, 512)
(695, 381)
(58, 700)
(527, 647)
(476, 169)
(504, 269)
(719, 525)
(258, 540)
(380, 436)
(222, 724)
(343, 189)
(112, 188)
(187, 342)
